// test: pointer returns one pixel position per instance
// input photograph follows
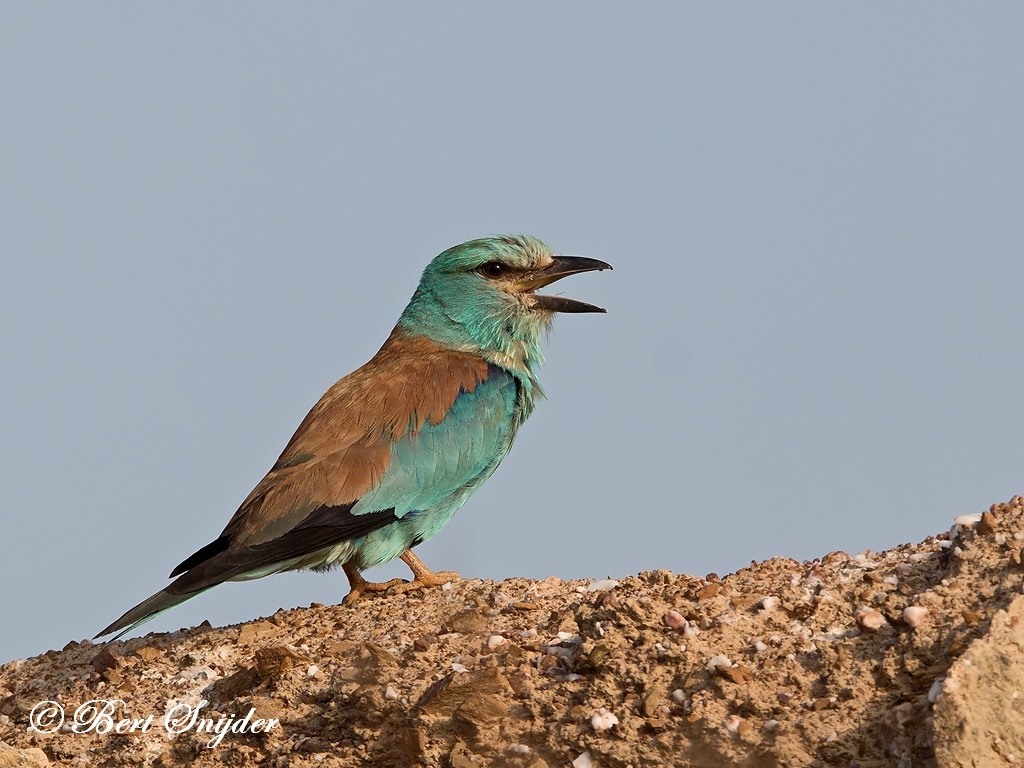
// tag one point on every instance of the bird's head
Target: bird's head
(481, 297)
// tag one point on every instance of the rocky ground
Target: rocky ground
(910, 657)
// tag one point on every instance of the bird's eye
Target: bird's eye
(492, 269)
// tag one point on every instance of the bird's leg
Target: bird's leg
(422, 576)
(358, 585)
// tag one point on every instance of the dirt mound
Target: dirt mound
(914, 656)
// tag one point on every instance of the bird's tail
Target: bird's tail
(146, 610)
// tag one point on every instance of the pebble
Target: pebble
(603, 720)
(869, 619)
(732, 723)
(760, 646)
(914, 614)
(679, 696)
(1019, 535)
(532, 632)
(313, 669)
(583, 761)
(769, 602)
(390, 694)
(920, 557)
(460, 668)
(519, 749)
(602, 585)
(831, 737)
(770, 725)
(1001, 539)
(968, 521)
(494, 641)
(719, 661)
(675, 620)
(935, 691)
(893, 580)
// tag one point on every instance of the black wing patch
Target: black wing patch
(323, 527)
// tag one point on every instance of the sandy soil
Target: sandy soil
(910, 657)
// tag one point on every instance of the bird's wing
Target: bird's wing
(341, 452)
(434, 463)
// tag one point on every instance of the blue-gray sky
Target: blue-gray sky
(212, 212)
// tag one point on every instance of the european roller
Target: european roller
(391, 451)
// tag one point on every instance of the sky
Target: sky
(210, 213)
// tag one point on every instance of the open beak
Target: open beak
(562, 266)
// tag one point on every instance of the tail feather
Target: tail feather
(146, 610)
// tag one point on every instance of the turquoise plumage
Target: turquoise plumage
(391, 451)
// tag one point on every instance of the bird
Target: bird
(391, 451)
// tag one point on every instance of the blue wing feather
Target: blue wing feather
(433, 472)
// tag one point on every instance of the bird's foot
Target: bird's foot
(358, 586)
(429, 579)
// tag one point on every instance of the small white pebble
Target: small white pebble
(519, 749)
(768, 602)
(914, 614)
(603, 720)
(313, 669)
(935, 691)
(732, 723)
(690, 630)
(678, 695)
(602, 585)
(920, 557)
(869, 618)
(581, 589)
(1019, 535)
(460, 668)
(770, 725)
(719, 661)
(831, 737)
(760, 646)
(494, 641)
(390, 694)
(446, 586)
(891, 580)
(532, 632)
(1000, 539)
(945, 544)
(968, 521)
(957, 551)
(583, 761)
(573, 677)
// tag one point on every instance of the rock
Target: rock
(110, 657)
(148, 653)
(233, 686)
(869, 619)
(12, 757)
(255, 631)
(482, 709)
(603, 720)
(987, 525)
(656, 697)
(979, 719)
(914, 615)
(448, 694)
(273, 662)
(466, 622)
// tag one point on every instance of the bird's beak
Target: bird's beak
(561, 266)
